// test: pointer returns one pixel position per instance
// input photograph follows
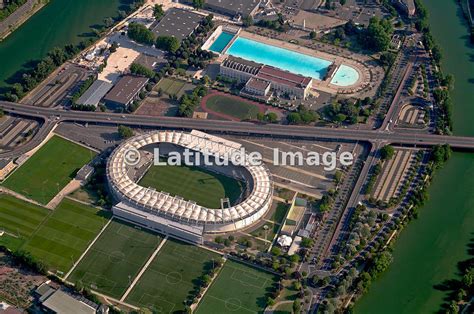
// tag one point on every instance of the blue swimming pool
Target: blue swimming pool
(221, 42)
(345, 76)
(284, 59)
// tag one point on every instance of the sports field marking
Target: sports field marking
(87, 249)
(152, 306)
(243, 276)
(232, 304)
(152, 257)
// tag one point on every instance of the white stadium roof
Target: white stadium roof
(175, 207)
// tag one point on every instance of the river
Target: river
(59, 23)
(428, 250)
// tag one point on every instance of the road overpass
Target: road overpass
(53, 116)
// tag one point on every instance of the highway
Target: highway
(54, 116)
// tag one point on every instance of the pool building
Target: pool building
(261, 79)
(290, 70)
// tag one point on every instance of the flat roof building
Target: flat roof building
(178, 23)
(232, 8)
(125, 91)
(294, 85)
(57, 301)
(95, 93)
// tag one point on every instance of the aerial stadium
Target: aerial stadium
(169, 213)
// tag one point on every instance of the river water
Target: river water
(427, 252)
(59, 23)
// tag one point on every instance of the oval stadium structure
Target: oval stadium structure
(174, 215)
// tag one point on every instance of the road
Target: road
(54, 116)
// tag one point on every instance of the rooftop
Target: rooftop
(283, 77)
(61, 302)
(257, 84)
(126, 89)
(178, 23)
(234, 7)
(242, 65)
(95, 93)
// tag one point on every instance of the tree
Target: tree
(198, 4)
(140, 34)
(248, 21)
(378, 34)
(158, 11)
(276, 251)
(138, 69)
(125, 131)
(306, 242)
(387, 152)
(270, 301)
(296, 306)
(108, 22)
(167, 43)
(294, 118)
(271, 117)
(337, 176)
(312, 35)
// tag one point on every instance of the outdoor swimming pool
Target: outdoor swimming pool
(221, 42)
(345, 76)
(281, 58)
(284, 59)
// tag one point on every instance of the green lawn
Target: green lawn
(115, 259)
(281, 210)
(270, 232)
(168, 280)
(66, 234)
(239, 109)
(20, 219)
(239, 289)
(170, 86)
(50, 169)
(204, 187)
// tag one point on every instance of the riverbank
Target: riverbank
(60, 23)
(427, 252)
(20, 16)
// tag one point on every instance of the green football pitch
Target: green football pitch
(204, 187)
(238, 288)
(115, 259)
(65, 235)
(239, 109)
(49, 170)
(19, 220)
(169, 278)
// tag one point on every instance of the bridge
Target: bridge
(52, 117)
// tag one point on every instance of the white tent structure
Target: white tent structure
(145, 201)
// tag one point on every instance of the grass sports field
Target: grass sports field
(239, 109)
(168, 280)
(19, 219)
(171, 86)
(64, 236)
(238, 288)
(204, 187)
(49, 169)
(115, 259)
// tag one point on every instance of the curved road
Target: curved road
(53, 116)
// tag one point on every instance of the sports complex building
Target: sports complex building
(173, 215)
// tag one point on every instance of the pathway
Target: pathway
(144, 268)
(87, 250)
